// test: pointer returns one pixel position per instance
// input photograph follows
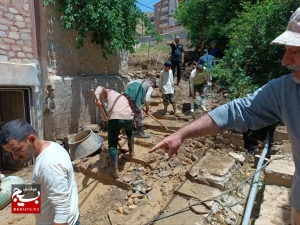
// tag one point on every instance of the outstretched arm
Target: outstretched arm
(171, 43)
(203, 126)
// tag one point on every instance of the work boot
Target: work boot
(203, 103)
(166, 110)
(130, 141)
(175, 110)
(192, 104)
(113, 158)
(141, 131)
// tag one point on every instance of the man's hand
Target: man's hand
(194, 96)
(147, 111)
(98, 103)
(170, 144)
(182, 62)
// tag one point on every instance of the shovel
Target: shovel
(159, 122)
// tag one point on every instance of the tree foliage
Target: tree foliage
(218, 15)
(112, 23)
(250, 60)
(244, 29)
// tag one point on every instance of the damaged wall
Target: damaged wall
(69, 74)
(18, 53)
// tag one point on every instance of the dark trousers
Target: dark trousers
(178, 65)
(251, 137)
(138, 116)
(114, 127)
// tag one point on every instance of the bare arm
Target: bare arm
(170, 42)
(203, 126)
(182, 56)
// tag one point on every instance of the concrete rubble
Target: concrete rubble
(164, 186)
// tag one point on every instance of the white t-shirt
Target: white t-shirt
(166, 82)
(197, 78)
(59, 197)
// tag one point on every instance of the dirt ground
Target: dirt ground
(97, 200)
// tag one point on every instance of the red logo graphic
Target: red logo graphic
(23, 202)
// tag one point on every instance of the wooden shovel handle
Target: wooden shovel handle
(157, 120)
(103, 113)
(100, 107)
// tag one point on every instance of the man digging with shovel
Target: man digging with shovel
(138, 92)
(119, 116)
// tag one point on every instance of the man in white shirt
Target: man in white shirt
(53, 170)
(198, 80)
(166, 87)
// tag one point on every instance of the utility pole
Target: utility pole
(203, 26)
(161, 3)
(168, 14)
(142, 32)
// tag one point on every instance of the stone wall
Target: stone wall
(16, 31)
(59, 50)
(73, 104)
(70, 73)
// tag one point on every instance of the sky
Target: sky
(146, 4)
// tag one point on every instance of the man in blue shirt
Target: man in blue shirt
(177, 57)
(215, 51)
(208, 61)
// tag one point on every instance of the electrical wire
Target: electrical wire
(210, 199)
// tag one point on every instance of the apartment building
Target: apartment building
(164, 20)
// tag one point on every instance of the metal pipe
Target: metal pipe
(252, 194)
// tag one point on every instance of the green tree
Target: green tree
(112, 23)
(250, 60)
(218, 15)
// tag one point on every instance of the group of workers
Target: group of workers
(279, 100)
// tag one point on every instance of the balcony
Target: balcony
(163, 25)
(163, 19)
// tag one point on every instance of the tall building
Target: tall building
(164, 20)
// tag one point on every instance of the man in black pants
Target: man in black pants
(177, 57)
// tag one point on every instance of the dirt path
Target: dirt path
(105, 201)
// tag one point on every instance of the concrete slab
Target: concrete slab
(141, 156)
(280, 134)
(232, 138)
(280, 172)
(198, 191)
(177, 203)
(275, 208)
(214, 171)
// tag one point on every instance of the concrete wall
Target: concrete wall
(73, 105)
(70, 73)
(35, 52)
(18, 53)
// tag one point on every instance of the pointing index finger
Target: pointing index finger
(156, 147)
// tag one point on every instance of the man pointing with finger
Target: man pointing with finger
(279, 100)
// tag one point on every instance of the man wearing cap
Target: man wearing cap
(278, 100)
(198, 81)
(177, 57)
(138, 93)
(215, 51)
(166, 87)
(119, 116)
